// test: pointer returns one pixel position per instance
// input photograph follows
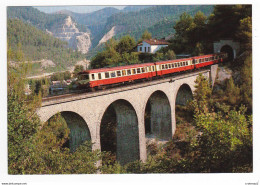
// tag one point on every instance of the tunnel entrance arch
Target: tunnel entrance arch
(79, 131)
(158, 116)
(226, 46)
(228, 49)
(119, 132)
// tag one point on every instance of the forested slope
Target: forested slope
(36, 45)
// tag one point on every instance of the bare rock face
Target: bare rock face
(114, 30)
(69, 32)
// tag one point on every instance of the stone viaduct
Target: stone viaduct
(84, 112)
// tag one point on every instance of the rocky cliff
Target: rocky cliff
(114, 31)
(69, 32)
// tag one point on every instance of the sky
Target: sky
(76, 9)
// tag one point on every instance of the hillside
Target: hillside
(35, 17)
(37, 45)
(97, 27)
(157, 19)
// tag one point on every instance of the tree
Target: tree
(245, 33)
(170, 55)
(198, 49)
(232, 93)
(19, 54)
(22, 121)
(246, 82)
(202, 95)
(67, 75)
(225, 20)
(225, 143)
(77, 69)
(125, 44)
(199, 32)
(130, 58)
(183, 28)
(146, 35)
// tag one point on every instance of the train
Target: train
(105, 77)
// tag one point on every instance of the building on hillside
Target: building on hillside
(151, 46)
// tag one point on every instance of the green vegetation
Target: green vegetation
(230, 21)
(37, 45)
(33, 16)
(217, 139)
(123, 52)
(116, 53)
(156, 19)
(213, 134)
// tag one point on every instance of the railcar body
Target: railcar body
(114, 75)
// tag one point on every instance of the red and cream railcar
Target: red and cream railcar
(113, 75)
(172, 66)
(206, 60)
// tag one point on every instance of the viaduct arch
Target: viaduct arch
(129, 104)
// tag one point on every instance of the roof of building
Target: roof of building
(155, 42)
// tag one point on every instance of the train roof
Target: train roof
(172, 61)
(116, 68)
(202, 56)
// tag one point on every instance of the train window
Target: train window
(134, 71)
(123, 73)
(186, 63)
(113, 74)
(166, 66)
(175, 64)
(178, 64)
(172, 65)
(106, 74)
(138, 70)
(150, 69)
(143, 70)
(93, 76)
(99, 76)
(202, 60)
(169, 66)
(181, 63)
(129, 72)
(118, 73)
(162, 66)
(153, 68)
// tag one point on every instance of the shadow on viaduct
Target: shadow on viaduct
(85, 113)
